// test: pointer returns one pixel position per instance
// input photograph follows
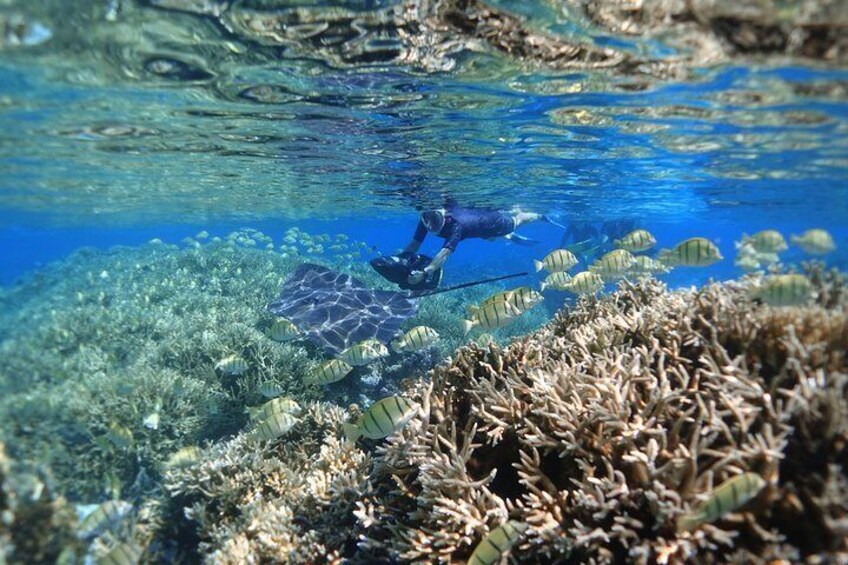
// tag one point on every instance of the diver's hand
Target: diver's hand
(415, 277)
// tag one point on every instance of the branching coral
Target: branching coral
(605, 427)
(285, 501)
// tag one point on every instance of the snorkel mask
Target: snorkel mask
(434, 220)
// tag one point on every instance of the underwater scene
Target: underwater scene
(423, 281)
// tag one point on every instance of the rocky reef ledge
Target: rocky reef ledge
(598, 432)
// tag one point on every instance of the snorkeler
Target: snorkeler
(454, 224)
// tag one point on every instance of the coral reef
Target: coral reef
(606, 426)
(96, 344)
(36, 524)
(288, 501)
(599, 431)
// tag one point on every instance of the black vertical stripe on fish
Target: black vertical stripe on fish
(386, 412)
(491, 542)
(400, 410)
(376, 422)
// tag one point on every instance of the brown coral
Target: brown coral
(619, 417)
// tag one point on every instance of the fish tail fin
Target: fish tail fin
(539, 265)
(542, 287)
(467, 326)
(396, 345)
(471, 309)
(351, 432)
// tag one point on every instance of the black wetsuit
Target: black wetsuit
(462, 223)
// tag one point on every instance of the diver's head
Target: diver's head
(434, 220)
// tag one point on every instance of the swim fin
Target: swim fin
(520, 240)
(552, 219)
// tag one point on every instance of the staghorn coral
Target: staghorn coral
(606, 426)
(285, 501)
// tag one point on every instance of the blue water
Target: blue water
(734, 168)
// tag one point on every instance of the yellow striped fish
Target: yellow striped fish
(232, 365)
(119, 435)
(484, 339)
(382, 419)
(585, 282)
(784, 290)
(644, 265)
(497, 544)
(364, 352)
(282, 330)
(814, 242)
(612, 264)
(105, 516)
(184, 457)
(523, 298)
(747, 262)
(417, 338)
(270, 389)
(328, 372)
(283, 404)
(491, 316)
(556, 261)
(636, 241)
(766, 241)
(694, 252)
(556, 281)
(277, 424)
(728, 497)
(471, 308)
(125, 553)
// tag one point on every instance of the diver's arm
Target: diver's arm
(417, 238)
(438, 260)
